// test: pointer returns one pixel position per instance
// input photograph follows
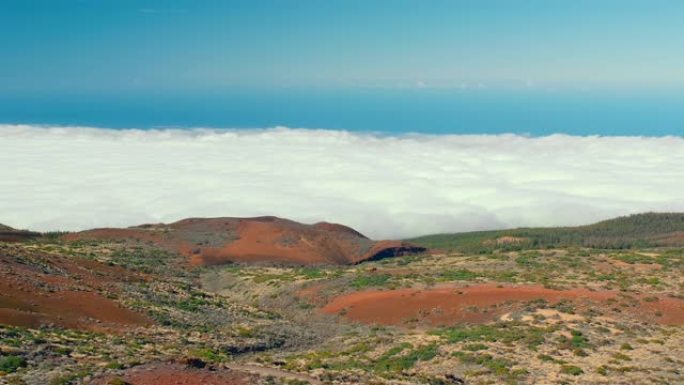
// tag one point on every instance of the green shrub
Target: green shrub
(311, 272)
(571, 370)
(209, 355)
(114, 365)
(498, 366)
(459, 275)
(633, 258)
(565, 306)
(578, 340)
(391, 361)
(546, 358)
(10, 364)
(503, 332)
(527, 261)
(372, 280)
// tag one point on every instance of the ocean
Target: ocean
(383, 111)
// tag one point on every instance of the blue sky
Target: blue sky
(168, 46)
(398, 117)
(582, 67)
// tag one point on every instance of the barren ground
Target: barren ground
(107, 312)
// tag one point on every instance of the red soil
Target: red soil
(174, 374)
(216, 241)
(45, 289)
(485, 303)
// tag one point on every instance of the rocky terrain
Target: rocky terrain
(144, 306)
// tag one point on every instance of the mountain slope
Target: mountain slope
(8, 234)
(214, 241)
(640, 230)
(39, 288)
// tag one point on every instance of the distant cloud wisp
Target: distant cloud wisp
(385, 186)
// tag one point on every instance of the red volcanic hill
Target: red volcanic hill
(213, 241)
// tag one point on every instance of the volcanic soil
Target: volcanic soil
(215, 241)
(41, 289)
(485, 303)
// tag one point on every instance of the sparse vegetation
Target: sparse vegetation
(270, 316)
(635, 231)
(571, 370)
(370, 280)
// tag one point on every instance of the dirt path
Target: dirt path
(263, 371)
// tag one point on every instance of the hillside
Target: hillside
(124, 306)
(9, 234)
(640, 230)
(42, 288)
(216, 241)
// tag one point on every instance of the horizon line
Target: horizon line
(381, 134)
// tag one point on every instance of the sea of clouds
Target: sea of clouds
(73, 178)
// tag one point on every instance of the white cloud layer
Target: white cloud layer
(76, 178)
